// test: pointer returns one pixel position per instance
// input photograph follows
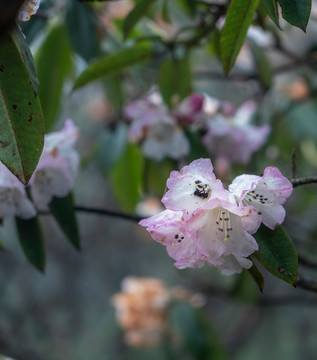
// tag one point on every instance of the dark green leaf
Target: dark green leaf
(54, 63)
(165, 11)
(174, 80)
(126, 177)
(21, 118)
(135, 15)
(195, 333)
(257, 277)
(262, 64)
(64, 213)
(82, 28)
(31, 240)
(113, 86)
(111, 145)
(277, 253)
(271, 7)
(114, 64)
(296, 12)
(239, 18)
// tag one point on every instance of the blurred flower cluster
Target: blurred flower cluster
(226, 132)
(205, 223)
(28, 9)
(53, 176)
(142, 308)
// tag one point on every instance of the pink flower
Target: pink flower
(13, 197)
(203, 223)
(28, 9)
(190, 110)
(233, 137)
(54, 175)
(266, 194)
(153, 126)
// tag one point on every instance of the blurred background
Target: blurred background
(67, 312)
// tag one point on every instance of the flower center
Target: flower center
(224, 224)
(201, 190)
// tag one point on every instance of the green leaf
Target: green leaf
(81, 22)
(239, 18)
(31, 240)
(114, 64)
(126, 177)
(54, 63)
(257, 276)
(195, 332)
(262, 64)
(277, 253)
(111, 146)
(272, 9)
(64, 213)
(135, 15)
(21, 118)
(174, 80)
(296, 12)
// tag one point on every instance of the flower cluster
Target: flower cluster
(141, 310)
(53, 176)
(28, 9)
(142, 307)
(158, 129)
(227, 133)
(230, 134)
(205, 223)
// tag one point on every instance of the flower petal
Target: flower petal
(192, 187)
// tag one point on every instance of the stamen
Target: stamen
(201, 190)
(223, 220)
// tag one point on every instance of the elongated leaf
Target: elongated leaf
(257, 277)
(262, 64)
(111, 146)
(277, 253)
(54, 63)
(135, 15)
(21, 118)
(296, 12)
(114, 64)
(81, 22)
(271, 6)
(31, 240)
(63, 211)
(126, 177)
(239, 18)
(174, 80)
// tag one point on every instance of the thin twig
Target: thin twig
(306, 284)
(303, 181)
(307, 262)
(108, 213)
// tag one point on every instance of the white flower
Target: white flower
(28, 9)
(13, 197)
(54, 175)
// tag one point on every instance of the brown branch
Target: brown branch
(307, 262)
(306, 284)
(108, 213)
(303, 181)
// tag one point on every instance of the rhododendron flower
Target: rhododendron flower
(28, 9)
(13, 197)
(156, 129)
(54, 175)
(203, 223)
(141, 310)
(190, 110)
(266, 194)
(233, 137)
